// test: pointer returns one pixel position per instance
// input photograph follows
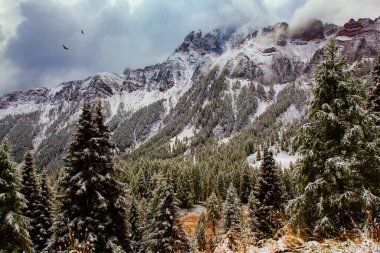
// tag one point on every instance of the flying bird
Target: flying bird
(82, 32)
(65, 47)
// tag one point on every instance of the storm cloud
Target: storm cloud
(129, 33)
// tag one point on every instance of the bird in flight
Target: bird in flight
(65, 47)
(82, 32)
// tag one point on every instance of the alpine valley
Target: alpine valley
(262, 142)
(213, 86)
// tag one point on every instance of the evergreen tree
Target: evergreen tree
(93, 201)
(184, 190)
(266, 202)
(166, 235)
(30, 190)
(200, 233)
(213, 212)
(135, 227)
(231, 210)
(245, 184)
(338, 175)
(14, 236)
(45, 219)
(373, 103)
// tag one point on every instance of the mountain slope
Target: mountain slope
(211, 86)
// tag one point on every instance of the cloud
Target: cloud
(126, 33)
(337, 11)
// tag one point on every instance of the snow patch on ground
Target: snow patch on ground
(283, 159)
(291, 114)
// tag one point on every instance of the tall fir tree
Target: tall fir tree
(14, 235)
(135, 227)
(166, 235)
(266, 202)
(373, 103)
(93, 202)
(45, 219)
(31, 191)
(231, 210)
(213, 212)
(200, 233)
(338, 175)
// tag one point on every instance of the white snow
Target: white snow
(291, 114)
(283, 159)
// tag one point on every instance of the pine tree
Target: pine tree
(30, 190)
(14, 236)
(200, 233)
(231, 210)
(184, 190)
(266, 202)
(93, 201)
(338, 175)
(373, 103)
(245, 184)
(135, 227)
(213, 212)
(166, 235)
(45, 219)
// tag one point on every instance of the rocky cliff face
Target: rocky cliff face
(274, 56)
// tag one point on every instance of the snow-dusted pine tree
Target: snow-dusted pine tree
(213, 212)
(45, 218)
(135, 231)
(93, 202)
(266, 201)
(231, 210)
(200, 233)
(30, 190)
(166, 235)
(373, 103)
(338, 175)
(14, 236)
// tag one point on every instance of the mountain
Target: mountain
(212, 86)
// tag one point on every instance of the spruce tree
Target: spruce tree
(45, 218)
(245, 184)
(166, 235)
(93, 201)
(373, 103)
(266, 201)
(14, 235)
(184, 189)
(30, 190)
(213, 212)
(200, 233)
(135, 227)
(338, 175)
(231, 210)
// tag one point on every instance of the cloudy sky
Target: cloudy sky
(131, 33)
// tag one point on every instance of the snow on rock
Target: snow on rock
(291, 114)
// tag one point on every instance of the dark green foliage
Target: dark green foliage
(200, 233)
(45, 218)
(231, 211)
(338, 176)
(246, 104)
(265, 203)
(185, 188)
(214, 209)
(20, 130)
(135, 232)
(13, 225)
(373, 103)
(93, 201)
(31, 191)
(165, 233)
(136, 128)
